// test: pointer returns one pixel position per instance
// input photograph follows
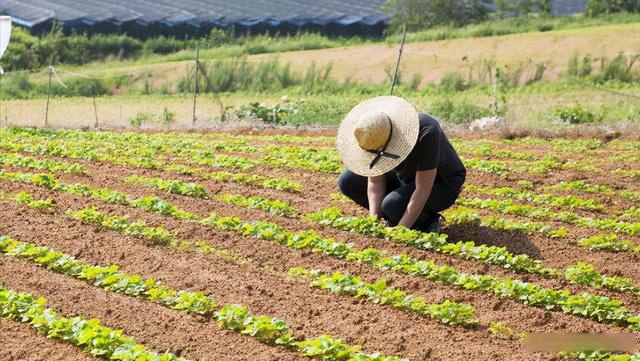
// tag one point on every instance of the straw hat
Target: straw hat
(377, 135)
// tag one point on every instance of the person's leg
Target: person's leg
(355, 186)
(395, 204)
(440, 199)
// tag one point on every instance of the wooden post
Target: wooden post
(395, 73)
(95, 111)
(46, 114)
(195, 85)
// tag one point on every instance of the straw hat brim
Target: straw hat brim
(406, 126)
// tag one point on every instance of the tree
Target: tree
(597, 7)
(422, 14)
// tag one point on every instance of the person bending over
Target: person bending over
(400, 164)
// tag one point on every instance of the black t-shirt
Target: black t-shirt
(433, 150)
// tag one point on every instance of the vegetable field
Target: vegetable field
(217, 246)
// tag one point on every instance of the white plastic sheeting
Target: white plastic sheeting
(5, 35)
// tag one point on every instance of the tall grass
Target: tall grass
(239, 74)
(516, 25)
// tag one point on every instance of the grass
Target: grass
(529, 107)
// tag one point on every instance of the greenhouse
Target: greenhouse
(143, 18)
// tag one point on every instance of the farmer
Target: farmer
(400, 164)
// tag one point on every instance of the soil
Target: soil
(261, 283)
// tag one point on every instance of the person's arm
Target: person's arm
(376, 189)
(424, 184)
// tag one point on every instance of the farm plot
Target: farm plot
(215, 246)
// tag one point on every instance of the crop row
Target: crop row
(146, 156)
(458, 314)
(141, 156)
(586, 274)
(600, 242)
(271, 331)
(28, 200)
(508, 206)
(19, 160)
(464, 215)
(599, 308)
(87, 334)
(281, 184)
(584, 187)
(447, 312)
(170, 186)
(370, 226)
(276, 207)
(570, 201)
(311, 158)
(332, 217)
(608, 243)
(149, 203)
(580, 274)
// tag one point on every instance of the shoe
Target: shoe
(432, 225)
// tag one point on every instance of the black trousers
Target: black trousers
(397, 197)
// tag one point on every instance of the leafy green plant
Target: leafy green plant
(19, 160)
(501, 330)
(272, 206)
(87, 334)
(430, 241)
(171, 186)
(447, 312)
(569, 201)
(606, 243)
(576, 114)
(586, 274)
(27, 199)
(137, 229)
(268, 330)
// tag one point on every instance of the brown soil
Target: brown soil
(262, 284)
(19, 341)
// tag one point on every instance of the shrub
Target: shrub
(579, 68)
(164, 45)
(620, 68)
(422, 14)
(597, 7)
(276, 114)
(328, 111)
(453, 81)
(576, 114)
(458, 112)
(141, 118)
(168, 117)
(16, 85)
(80, 87)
